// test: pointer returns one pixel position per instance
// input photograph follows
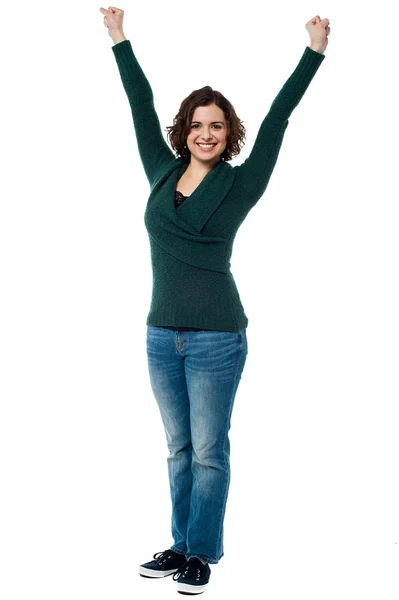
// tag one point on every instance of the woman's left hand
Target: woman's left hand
(318, 30)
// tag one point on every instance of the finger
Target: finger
(313, 21)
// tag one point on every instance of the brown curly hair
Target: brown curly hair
(178, 132)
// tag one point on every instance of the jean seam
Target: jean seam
(211, 561)
(173, 548)
(239, 362)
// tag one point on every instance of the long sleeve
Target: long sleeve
(153, 149)
(254, 173)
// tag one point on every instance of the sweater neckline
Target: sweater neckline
(200, 186)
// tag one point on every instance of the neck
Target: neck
(198, 170)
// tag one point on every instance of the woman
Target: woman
(196, 327)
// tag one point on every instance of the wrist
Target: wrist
(316, 48)
(117, 36)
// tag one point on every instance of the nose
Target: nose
(207, 138)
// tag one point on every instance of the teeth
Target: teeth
(206, 145)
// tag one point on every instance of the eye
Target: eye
(216, 125)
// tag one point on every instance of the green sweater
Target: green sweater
(191, 245)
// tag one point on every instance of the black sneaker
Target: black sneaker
(165, 564)
(192, 577)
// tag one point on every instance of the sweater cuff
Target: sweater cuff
(316, 57)
(308, 65)
(127, 62)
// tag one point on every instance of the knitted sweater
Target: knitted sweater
(191, 245)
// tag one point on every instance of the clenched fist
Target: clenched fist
(318, 30)
(113, 20)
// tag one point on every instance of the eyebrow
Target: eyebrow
(213, 122)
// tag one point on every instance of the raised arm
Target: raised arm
(254, 173)
(153, 149)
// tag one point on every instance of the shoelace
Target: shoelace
(162, 557)
(189, 570)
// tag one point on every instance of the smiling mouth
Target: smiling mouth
(206, 147)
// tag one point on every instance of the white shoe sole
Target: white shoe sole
(191, 589)
(155, 574)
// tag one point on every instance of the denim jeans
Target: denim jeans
(194, 377)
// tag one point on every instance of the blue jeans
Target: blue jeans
(194, 377)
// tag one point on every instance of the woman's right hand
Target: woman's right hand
(113, 19)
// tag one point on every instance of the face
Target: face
(208, 125)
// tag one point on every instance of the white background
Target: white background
(313, 503)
